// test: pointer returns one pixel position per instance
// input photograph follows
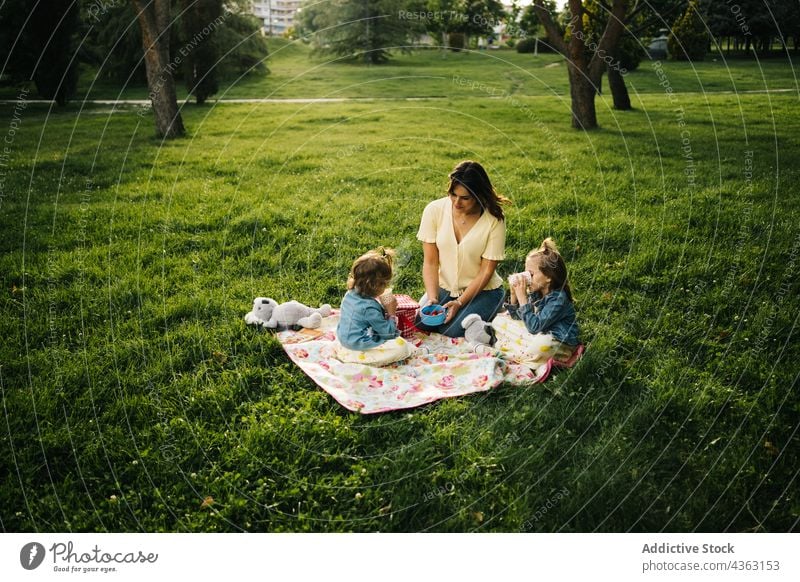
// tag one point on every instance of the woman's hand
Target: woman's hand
(452, 308)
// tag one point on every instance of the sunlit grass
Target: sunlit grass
(132, 390)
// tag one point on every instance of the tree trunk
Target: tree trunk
(585, 72)
(154, 20)
(582, 92)
(200, 20)
(616, 82)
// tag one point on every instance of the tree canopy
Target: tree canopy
(41, 43)
(367, 30)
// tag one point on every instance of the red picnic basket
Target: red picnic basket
(406, 312)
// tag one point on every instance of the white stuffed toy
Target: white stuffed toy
(478, 333)
(267, 313)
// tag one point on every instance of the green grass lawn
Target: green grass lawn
(294, 72)
(132, 391)
(427, 71)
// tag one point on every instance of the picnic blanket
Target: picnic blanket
(450, 369)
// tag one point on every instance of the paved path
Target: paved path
(216, 101)
(358, 99)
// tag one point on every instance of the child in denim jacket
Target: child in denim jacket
(543, 302)
(367, 329)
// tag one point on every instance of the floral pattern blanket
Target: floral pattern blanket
(450, 369)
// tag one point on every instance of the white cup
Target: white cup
(525, 275)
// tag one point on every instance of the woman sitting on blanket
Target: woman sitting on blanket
(542, 302)
(463, 238)
(367, 329)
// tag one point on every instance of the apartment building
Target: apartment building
(277, 15)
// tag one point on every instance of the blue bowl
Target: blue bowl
(427, 316)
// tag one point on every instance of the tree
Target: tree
(595, 20)
(460, 17)
(480, 17)
(788, 21)
(200, 20)
(115, 43)
(688, 40)
(511, 21)
(622, 57)
(529, 21)
(40, 41)
(530, 29)
(365, 30)
(641, 24)
(448, 18)
(585, 68)
(752, 23)
(154, 22)
(241, 45)
(310, 17)
(610, 35)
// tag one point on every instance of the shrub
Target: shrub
(688, 40)
(526, 45)
(456, 41)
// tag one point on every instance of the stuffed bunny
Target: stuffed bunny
(267, 313)
(478, 332)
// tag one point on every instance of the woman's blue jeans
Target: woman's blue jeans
(486, 304)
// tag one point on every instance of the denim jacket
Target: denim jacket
(554, 313)
(363, 323)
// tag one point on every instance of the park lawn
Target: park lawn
(430, 72)
(295, 72)
(135, 398)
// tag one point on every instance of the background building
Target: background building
(277, 15)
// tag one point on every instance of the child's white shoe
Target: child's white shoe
(484, 350)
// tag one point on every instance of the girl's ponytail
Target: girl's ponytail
(386, 254)
(548, 245)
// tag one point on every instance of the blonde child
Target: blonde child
(543, 321)
(367, 329)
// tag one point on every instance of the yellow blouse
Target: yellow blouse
(460, 263)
